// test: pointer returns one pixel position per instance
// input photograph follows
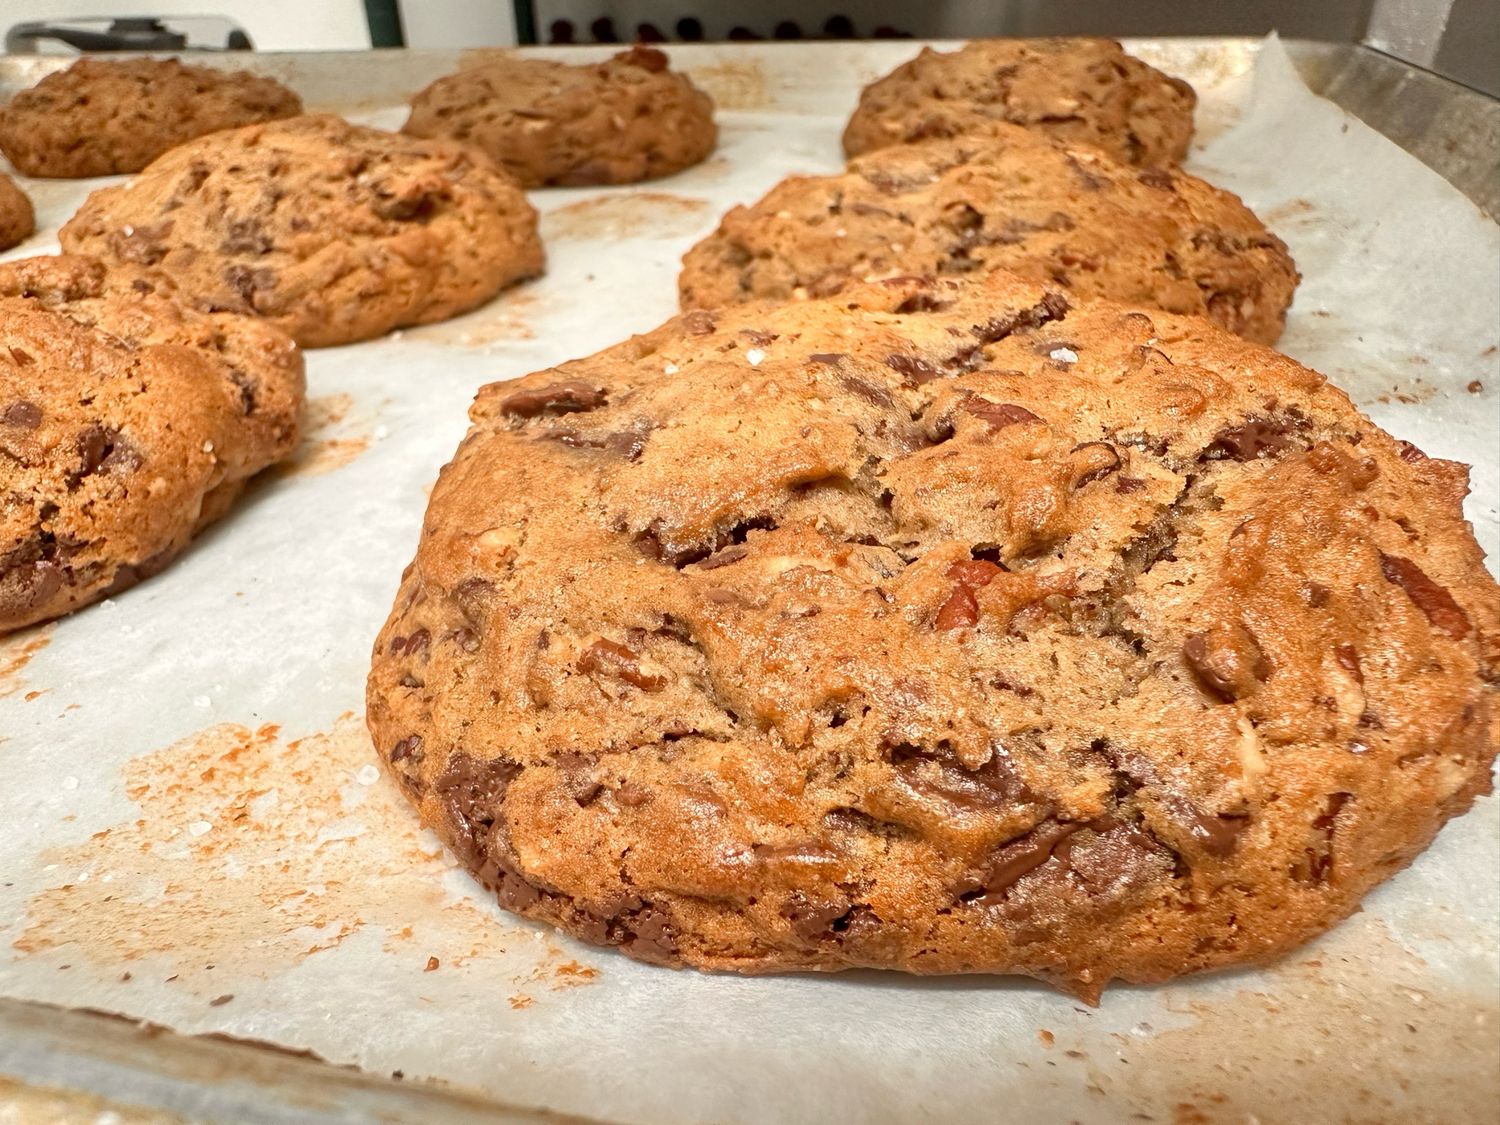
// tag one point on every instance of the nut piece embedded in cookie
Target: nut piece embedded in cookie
(1080, 91)
(945, 627)
(101, 117)
(330, 231)
(627, 119)
(128, 423)
(1011, 199)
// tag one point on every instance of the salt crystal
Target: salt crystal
(1063, 355)
(199, 827)
(381, 433)
(70, 783)
(670, 369)
(208, 447)
(367, 774)
(754, 356)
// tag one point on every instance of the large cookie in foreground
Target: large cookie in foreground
(1059, 214)
(940, 627)
(127, 424)
(627, 119)
(1080, 91)
(101, 117)
(330, 231)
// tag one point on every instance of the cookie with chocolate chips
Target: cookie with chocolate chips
(1080, 91)
(101, 117)
(128, 423)
(1061, 214)
(944, 627)
(17, 218)
(330, 231)
(627, 119)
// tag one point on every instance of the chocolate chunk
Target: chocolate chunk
(412, 644)
(1227, 662)
(23, 415)
(1158, 178)
(1053, 306)
(998, 414)
(609, 658)
(937, 771)
(866, 390)
(921, 302)
(142, 245)
(1016, 859)
(1126, 484)
(628, 443)
(1217, 834)
(248, 282)
(812, 919)
(408, 747)
(1348, 660)
(471, 792)
(1252, 439)
(699, 322)
(92, 445)
(1317, 594)
(833, 359)
(1317, 863)
(961, 609)
(246, 236)
(1094, 460)
(1433, 600)
(569, 396)
(727, 557)
(913, 368)
(20, 357)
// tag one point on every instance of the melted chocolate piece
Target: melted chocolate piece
(1017, 859)
(1252, 439)
(1053, 306)
(994, 785)
(1099, 459)
(611, 659)
(998, 415)
(1433, 600)
(23, 415)
(569, 396)
(913, 368)
(471, 792)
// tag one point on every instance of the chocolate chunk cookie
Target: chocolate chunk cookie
(127, 424)
(548, 123)
(1015, 200)
(332, 232)
(946, 627)
(100, 118)
(17, 218)
(1085, 91)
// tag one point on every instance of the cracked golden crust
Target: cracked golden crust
(103, 117)
(128, 423)
(1054, 213)
(1079, 91)
(548, 123)
(17, 218)
(939, 627)
(332, 232)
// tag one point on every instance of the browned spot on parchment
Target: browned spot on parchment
(16, 652)
(733, 83)
(1290, 211)
(26, 1104)
(249, 853)
(1356, 1032)
(658, 214)
(322, 449)
(507, 317)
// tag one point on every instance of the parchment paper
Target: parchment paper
(193, 828)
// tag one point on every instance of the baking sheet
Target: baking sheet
(193, 828)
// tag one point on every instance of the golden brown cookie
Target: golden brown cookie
(944, 627)
(17, 218)
(1080, 91)
(128, 423)
(330, 231)
(1054, 213)
(548, 123)
(102, 117)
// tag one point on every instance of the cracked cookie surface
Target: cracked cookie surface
(1083, 91)
(103, 117)
(1054, 213)
(627, 119)
(128, 423)
(330, 231)
(944, 627)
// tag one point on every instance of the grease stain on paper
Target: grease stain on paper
(251, 853)
(16, 652)
(1333, 1025)
(733, 84)
(636, 214)
(507, 317)
(323, 447)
